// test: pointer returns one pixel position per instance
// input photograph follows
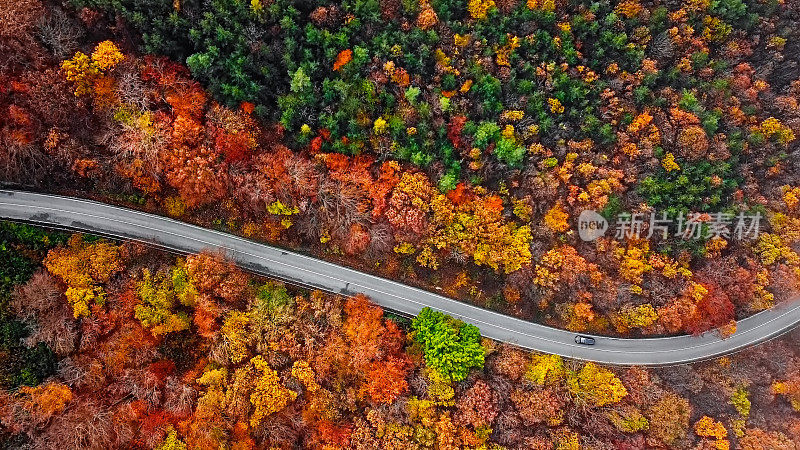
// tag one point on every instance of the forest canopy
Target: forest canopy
(253, 363)
(449, 145)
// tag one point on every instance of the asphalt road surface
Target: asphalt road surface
(173, 235)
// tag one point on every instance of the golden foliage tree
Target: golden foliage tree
(545, 369)
(710, 428)
(596, 385)
(84, 267)
(269, 395)
(556, 219)
(235, 335)
(160, 296)
(83, 70)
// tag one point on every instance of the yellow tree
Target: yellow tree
(235, 336)
(545, 369)
(596, 385)
(84, 71)
(83, 267)
(564, 439)
(212, 402)
(789, 389)
(171, 442)
(475, 226)
(634, 260)
(639, 316)
(203, 429)
(269, 395)
(303, 372)
(159, 297)
(467, 222)
(556, 218)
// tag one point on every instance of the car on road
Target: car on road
(585, 340)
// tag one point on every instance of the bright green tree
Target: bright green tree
(451, 347)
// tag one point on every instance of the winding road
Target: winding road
(294, 268)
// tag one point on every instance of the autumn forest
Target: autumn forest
(451, 145)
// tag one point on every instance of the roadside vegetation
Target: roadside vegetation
(132, 348)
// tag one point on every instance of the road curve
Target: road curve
(122, 223)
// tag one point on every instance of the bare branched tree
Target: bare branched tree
(179, 398)
(59, 33)
(20, 163)
(84, 425)
(39, 302)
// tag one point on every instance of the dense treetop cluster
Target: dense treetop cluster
(447, 144)
(191, 353)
